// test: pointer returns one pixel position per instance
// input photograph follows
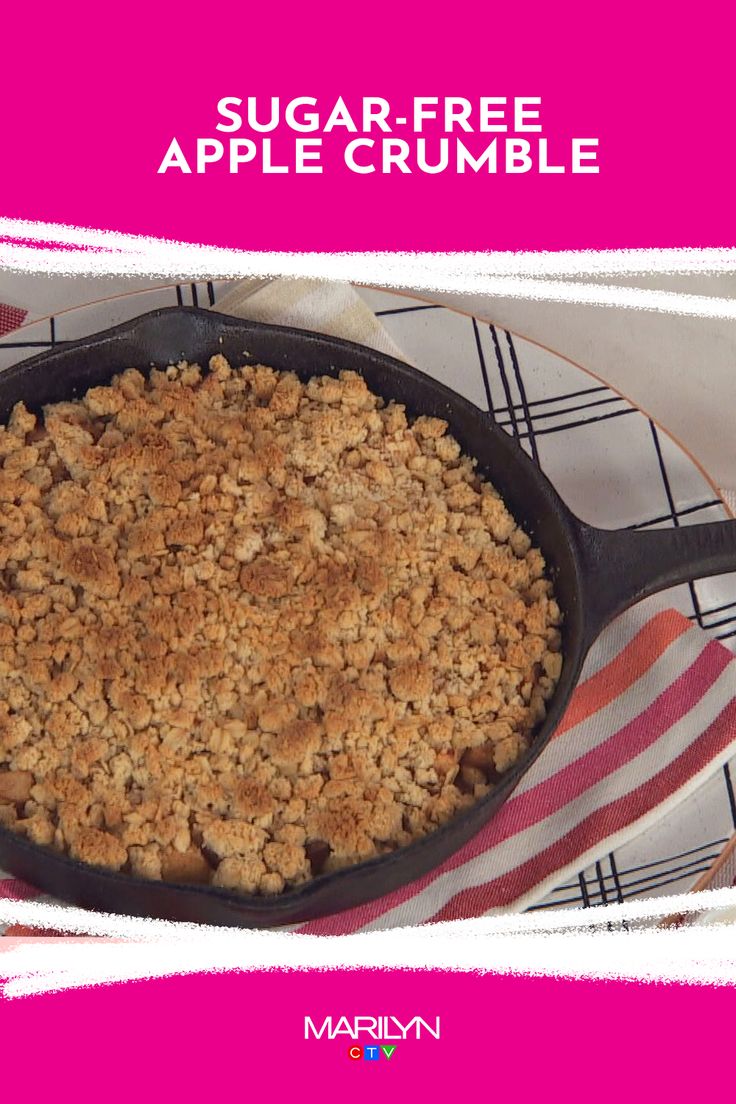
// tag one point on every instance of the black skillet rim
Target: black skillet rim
(284, 907)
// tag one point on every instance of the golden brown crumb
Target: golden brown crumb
(185, 866)
(15, 786)
(97, 848)
(252, 629)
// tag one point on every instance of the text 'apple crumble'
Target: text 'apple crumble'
(253, 630)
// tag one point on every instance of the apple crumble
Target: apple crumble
(253, 629)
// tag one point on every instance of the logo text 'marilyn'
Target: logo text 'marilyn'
(374, 1027)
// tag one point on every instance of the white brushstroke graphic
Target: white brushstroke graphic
(615, 941)
(27, 246)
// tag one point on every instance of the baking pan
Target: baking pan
(596, 573)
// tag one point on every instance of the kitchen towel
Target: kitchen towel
(325, 307)
(653, 717)
(10, 318)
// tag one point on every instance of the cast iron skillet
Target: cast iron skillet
(597, 574)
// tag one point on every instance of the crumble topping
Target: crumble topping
(253, 629)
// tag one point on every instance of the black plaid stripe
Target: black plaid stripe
(25, 344)
(537, 416)
(409, 310)
(511, 406)
(38, 345)
(707, 504)
(528, 419)
(719, 609)
(583, 888)
(730, 791)
(483, 368)
(673, 511)
(195, 294)
(616, 879)
(192, 294)
(607, 883)
(722, 618)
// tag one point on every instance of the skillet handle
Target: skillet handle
(621, 566)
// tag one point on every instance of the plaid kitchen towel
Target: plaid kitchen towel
(653, 717)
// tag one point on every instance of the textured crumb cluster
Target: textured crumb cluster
(253, 629)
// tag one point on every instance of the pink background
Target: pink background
(90, 100)
(236, 1036)
(92, 97)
